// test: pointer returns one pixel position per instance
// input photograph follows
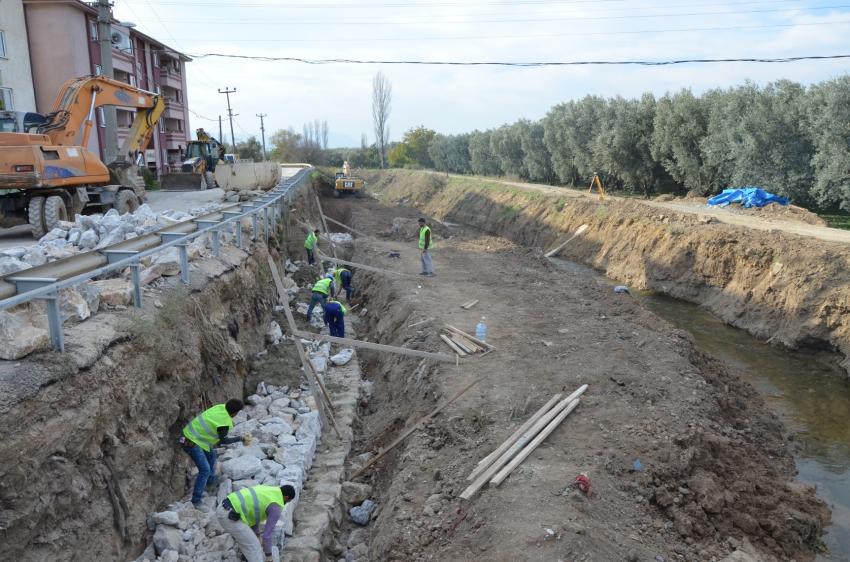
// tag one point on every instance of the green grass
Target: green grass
(836, 219)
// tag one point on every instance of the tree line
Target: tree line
(789, 139)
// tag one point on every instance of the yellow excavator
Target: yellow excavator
(197, 170)
(47, 172)
(345, 182)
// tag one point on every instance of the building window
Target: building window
(93, 30)
(6, 99)
(98, 70)
(2, 44)
(101, 117)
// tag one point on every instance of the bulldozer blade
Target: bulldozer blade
(181, 181)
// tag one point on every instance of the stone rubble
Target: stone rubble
(286, 429)
(90, 232)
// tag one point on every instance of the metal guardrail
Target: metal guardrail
(271, 206)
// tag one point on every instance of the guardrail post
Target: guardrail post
(54, 315)
(137, 284)
(255, 229)
(216, 244)
(214, 239)
(182, 251)
(266, 224)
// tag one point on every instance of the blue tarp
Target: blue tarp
(748, 196)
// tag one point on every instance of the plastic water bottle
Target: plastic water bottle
(481, 330)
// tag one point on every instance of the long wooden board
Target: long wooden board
(326, 257)
(578, 232)
(377, 346)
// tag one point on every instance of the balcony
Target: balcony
(174, 109)
(169, 76)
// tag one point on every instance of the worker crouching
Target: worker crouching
(322, 289)
(335, 313)
(242, 512)
(201, 435)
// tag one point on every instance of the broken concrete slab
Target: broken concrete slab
(22, 332)
(114, 292)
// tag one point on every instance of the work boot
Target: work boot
(201, 507)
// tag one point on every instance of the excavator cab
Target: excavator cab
(21, 122)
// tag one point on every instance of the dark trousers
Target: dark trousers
(310, 258)
(336, 323)
(345, 277)
(205, 461)
(315, 299)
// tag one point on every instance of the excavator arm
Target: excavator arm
(70, 120)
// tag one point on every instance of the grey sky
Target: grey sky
(457, 99)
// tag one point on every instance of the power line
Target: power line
(443, 21)
(536, 36)
(521, 64)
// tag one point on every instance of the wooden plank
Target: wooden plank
(470, 338)
(326, 257)
(526, 437)
(469, 305)
(486, 461)
(413, 428)
(460, 339)
(314, 380)
(544, 433)
(452, 345)
(345, 226)
(325, 223)
(463, 347)
(420, 322)
(377, 347)
(578, 232)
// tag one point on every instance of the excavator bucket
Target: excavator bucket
(182, 181)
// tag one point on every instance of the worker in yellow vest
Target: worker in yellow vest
(310, 245)
(201, 435)
(241, 513)
(322, 289)
(425, 244)
(335, 313)
(342, 278)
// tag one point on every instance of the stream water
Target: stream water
(810, 393)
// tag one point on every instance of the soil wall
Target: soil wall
(781, 288)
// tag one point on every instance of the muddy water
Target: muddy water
(810, 393)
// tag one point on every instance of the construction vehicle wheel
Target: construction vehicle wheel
(358, 193)
(54, 211)
(209, 180)
(126, 201)
(35, 214)
(337, 194)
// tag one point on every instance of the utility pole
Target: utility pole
(227, 91)
(220, 133)
(104, 37)
(263, 132)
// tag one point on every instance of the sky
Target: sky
(458, 99)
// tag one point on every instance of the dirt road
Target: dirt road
(713, 466)
(721, 214)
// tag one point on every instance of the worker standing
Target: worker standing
(201, 435)
(425, 243)
(335, 313)
(342, 277)
(310, 245)
(241, 513)
(322, 289)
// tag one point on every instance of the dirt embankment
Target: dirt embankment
(714, 468)
(780, 287)
(85, 458)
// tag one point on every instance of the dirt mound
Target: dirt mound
(788, 212)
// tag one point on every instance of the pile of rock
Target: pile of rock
(92, 232)
(285, 428)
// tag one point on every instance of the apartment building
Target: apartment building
(68, 46)
(16, 88)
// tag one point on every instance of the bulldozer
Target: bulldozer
(197, 170)
(47, 172)
(345, 183)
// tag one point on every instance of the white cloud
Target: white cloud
(456, 99)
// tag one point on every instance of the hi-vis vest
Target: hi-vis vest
(323, 286)
(422, 232)
(251, 503)
(203, 430)
(338, 275)
(310, 242)
(341, 306)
